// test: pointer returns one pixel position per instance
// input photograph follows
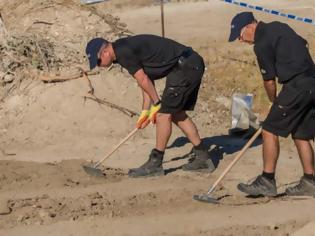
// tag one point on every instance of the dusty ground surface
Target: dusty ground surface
(48, 130)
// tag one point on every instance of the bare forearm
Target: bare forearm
(146, 101)
(146, 84)
(149, 88)
(271, 89)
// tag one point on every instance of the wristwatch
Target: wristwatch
(157, 103)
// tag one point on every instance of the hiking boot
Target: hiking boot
(153, 167)
(190, 156)
(306, 187)
(200, 160)
(260, 186)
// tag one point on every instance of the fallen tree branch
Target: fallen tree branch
(49, 79)
(6, 153)
(42, 22)
(111, 105)
(89, 81)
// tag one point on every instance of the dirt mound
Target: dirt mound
(50, 37)
(49, 42)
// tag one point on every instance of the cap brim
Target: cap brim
(234, 35)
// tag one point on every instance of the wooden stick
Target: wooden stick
(111, 105)
(116, 147)
(239, 155)
(49, 79)
(162, 18)
(42, 22)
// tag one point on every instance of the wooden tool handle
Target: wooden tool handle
(239, 155)
(117, 146)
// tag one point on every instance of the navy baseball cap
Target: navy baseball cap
(92, 49)
(238, 22)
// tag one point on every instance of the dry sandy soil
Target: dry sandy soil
(48, 130)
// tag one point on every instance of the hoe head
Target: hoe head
(91, 170)
(205, 198)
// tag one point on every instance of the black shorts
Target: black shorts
(293, 111)
(182, 85)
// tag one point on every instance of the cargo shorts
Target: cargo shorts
(182, 85)
(293, 111)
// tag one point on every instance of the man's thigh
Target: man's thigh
(306, 128)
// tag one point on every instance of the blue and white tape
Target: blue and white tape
(270, 11)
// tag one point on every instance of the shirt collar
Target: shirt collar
(260, 30)
(114, 45)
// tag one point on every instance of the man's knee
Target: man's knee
(267, 135)
(164, 117)
(298, 141)
(179, 116)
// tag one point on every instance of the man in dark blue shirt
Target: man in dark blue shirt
(283, 54)
(148, 58)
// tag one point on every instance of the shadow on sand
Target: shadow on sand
(218, 146)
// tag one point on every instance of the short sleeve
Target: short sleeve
(129, 60)
(266, 61)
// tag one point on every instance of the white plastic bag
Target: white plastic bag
(242, 115)
(90, 1)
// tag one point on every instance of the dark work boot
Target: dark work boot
(306, 187)
(153, 167)
(200, 161)
(260, 186)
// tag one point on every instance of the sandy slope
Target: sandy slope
(51, 123)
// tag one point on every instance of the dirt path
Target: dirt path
(60, 199)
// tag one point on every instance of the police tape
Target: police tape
(270, 11)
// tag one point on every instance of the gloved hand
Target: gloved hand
(143, 119)
(153, 112)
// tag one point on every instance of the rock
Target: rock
(43, 214)
(8, 78)
(95, 195)
(4, 208)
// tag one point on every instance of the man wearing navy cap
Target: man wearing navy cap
(148, 58)
(282, 54)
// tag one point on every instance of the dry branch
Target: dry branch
(89, 81)
(42, 22)
(111, 105)
(6, 153)
(54, 79)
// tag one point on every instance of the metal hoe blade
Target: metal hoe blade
(91, 170)
(205, 198)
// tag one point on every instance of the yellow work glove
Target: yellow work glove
(153, 112)
(143, 119)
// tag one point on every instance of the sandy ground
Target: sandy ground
(49, 131)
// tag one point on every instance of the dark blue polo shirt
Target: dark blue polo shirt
(281, 52)
(155, 55)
